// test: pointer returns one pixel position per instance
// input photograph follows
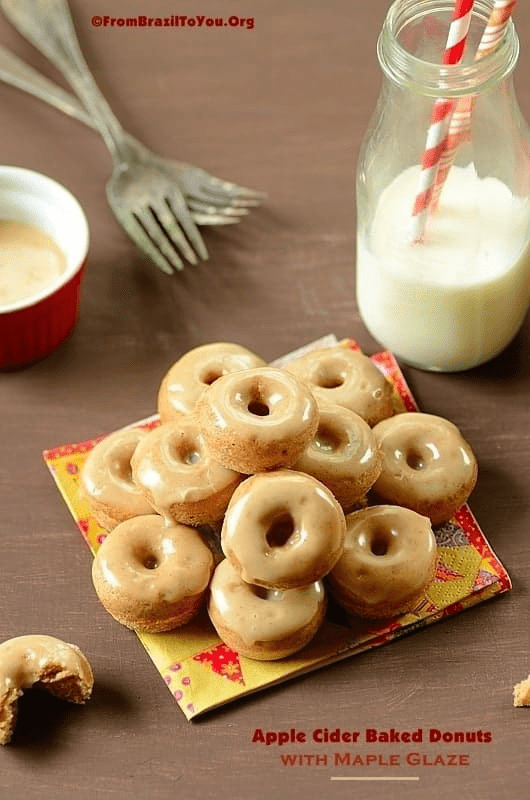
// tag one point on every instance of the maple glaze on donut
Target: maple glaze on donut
(343, 454)
(256, 420)
(427, 465)
(282, 530)
(264, 624)
(197, 369)
(346, 378)
(388, 561)
(178, 475)
(107, 485)
(151, 576)
(59, 667)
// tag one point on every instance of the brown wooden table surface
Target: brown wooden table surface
(281, 107)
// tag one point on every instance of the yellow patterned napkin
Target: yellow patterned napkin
(202, 673)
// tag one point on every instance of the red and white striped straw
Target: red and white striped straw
(440, 119)
(460, 127)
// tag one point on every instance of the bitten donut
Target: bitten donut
(46, 662)
(106, 483)
(257, 420)
(427, 465)
(282, 530)
(182, 482)
(264, 624)
(388, 562)
(187, 379)
(151, 576)
(343, 454)
(347, 378)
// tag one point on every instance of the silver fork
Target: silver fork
(143, 195)
(211, 200)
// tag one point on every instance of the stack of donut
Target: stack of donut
(282, 462)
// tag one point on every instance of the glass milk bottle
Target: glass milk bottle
(448, 288)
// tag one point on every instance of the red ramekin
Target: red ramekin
(35, 326)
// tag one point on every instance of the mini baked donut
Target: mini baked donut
(257, 420)
(106, 483)
(347, 378)
(282, 530)
(264, 624)
(151, 576)
(427, 465)
(343, 454)
(388, 562)
(187, 379)
(175, 470)
(42, 661)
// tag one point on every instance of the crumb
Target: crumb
(521, 693)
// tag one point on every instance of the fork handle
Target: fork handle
(19, 74)
(48, 25)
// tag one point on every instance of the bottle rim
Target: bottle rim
(436, 79)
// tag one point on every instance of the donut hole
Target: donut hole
(258, 408)
(210, 374)
(327, 439)
(191, 457)
(146, 558)
(122, 470)
(329, 381)
(120, 464)
(379, 544)
(187, 452)
(280, 531)
(266, 594)
(329, 376)
(415, 460)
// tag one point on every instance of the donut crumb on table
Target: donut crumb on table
(521, 693)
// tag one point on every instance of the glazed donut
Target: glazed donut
(106, 483)
(343, 455)
(257, 420)
(282, 530)
(50, 663)
(388, 561)
(187, 379)
(427, 465)
(347, 378)
(264, 624)
(174, 468)
(151, 576)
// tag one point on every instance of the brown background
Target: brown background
(282, 108)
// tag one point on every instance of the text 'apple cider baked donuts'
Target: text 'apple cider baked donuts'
(44, 661)
(197, 369)
(107, 485)
(282, 530)
(264, 624)
(177, 473)
(427, 465)
(257, 420)
(152, 576)
(388, 562)
(346, 378)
